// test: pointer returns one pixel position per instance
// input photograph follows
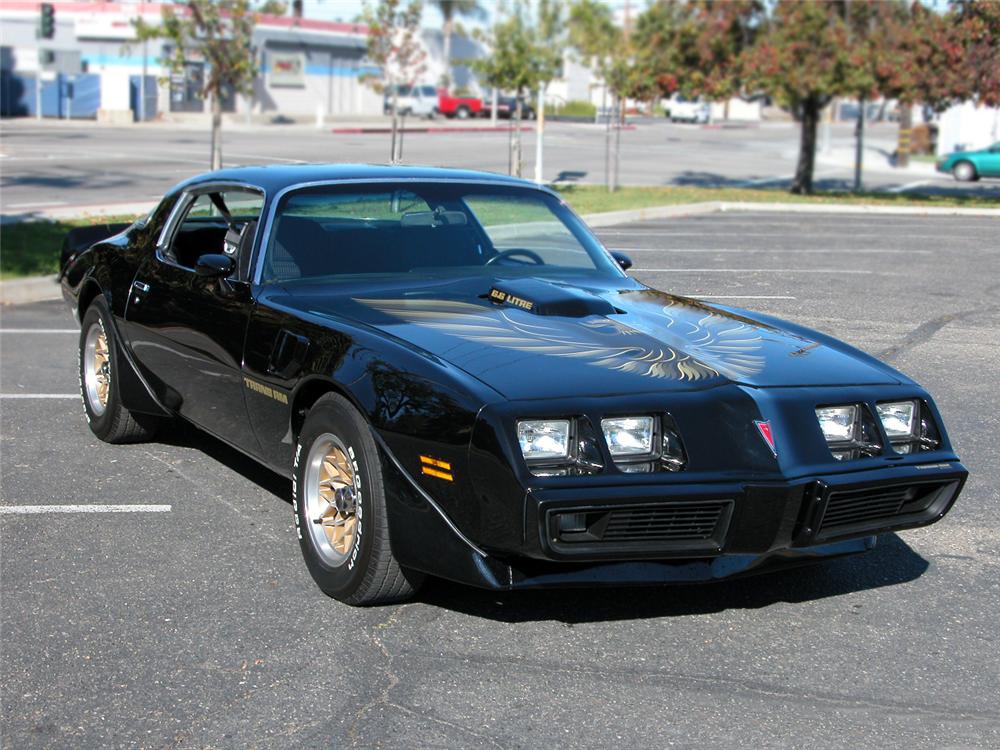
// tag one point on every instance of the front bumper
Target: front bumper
(686, 521)
(676, 533)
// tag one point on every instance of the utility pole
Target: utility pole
(494, 97)
(539, 133)
(905, 129)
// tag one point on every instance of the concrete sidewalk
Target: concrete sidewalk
(876, 158)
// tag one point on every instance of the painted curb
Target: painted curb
(31, 289)
(431, 130)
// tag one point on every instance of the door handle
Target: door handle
(139, 289)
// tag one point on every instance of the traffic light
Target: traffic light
(48, 25)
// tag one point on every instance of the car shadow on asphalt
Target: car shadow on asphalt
(184, 435)
(891, 563)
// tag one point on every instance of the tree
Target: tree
(449, 9)
(622, 60)
(222, 33)
(978, 34)
(523, 54)
(273, 7)
(803, 59)
(709, 43)
(394, 46)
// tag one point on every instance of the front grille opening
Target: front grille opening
(874, 507)
(667, 522)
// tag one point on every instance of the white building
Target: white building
(966, 127)
(93, 66)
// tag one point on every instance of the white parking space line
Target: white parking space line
(810, 251)
(39, 395)
(24, 510)
(846, 233)
(700, 295)
(39, 330)
(765, 270)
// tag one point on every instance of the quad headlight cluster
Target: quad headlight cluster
(642, 443)
(851, 432)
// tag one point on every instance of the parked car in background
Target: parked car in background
(506, 107)
(681, 109)
(968, 166)
(462, 107)
(419, 101)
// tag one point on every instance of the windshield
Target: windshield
(341, 232)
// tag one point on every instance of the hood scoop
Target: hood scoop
(545, 298)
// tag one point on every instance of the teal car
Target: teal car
(971, 165)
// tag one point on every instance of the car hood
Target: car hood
(533, 338)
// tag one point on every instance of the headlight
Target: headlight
(629, 436)
(839, 423)
(897, 418)
(544, 439)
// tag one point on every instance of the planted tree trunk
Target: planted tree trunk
(859, 145)
(803, 183)
(517, 136)
(392, 145)
(216, 103)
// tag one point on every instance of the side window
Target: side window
(322, 233)
(217, 221)
(429, 91)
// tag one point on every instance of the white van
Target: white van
(419, 101)
(681, 109)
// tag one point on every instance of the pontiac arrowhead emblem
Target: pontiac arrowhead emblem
(764, 426)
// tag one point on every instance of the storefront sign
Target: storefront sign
(287, 69)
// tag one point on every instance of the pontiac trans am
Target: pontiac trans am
(461, 381)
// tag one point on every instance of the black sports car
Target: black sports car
(461, 381)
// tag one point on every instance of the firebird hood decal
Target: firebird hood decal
(730, 346)
(649, 341)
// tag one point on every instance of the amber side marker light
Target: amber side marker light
(433, 467)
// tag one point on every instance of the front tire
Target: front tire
(109, 420)
(462, 113)
(338, 497)
(964, 171)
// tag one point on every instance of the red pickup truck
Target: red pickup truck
(461, 107)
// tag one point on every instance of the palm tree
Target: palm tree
(449, 10)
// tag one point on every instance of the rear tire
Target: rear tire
(964, 171)
(109, 420)
(338, 497)
(462, 113)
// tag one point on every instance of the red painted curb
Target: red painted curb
(431, 130)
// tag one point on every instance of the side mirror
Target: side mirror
(214, 265)
(623, 260)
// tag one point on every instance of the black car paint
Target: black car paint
(208, 349)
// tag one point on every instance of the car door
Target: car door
(186, 330)
(989, 163)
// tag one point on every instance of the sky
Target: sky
(348, 10)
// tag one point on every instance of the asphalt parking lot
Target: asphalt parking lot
(193, 623)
